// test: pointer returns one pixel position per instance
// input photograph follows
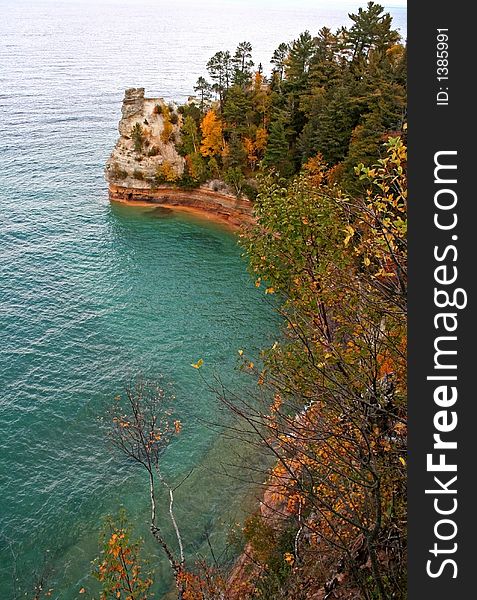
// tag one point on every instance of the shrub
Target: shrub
(167, 131)
(166, 173)
(137, 135)
(187, 182)
(117, 172)
(138, 174)
(249, 189)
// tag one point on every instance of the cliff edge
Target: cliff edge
(145, 165)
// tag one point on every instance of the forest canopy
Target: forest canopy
(333, 98)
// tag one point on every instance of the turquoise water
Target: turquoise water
(93, 294)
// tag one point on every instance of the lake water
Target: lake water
(93, 294)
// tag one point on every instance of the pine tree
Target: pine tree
(236, 153)
(366, 140)
(220, 69)
(325, 66)
(279, 59)
(204, 89)
(371, 29)
(277, 152)
(333, 125)
(237, 111)
(243, 64)
(299, 59)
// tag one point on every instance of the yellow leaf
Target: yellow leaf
(289, 558)
(240, 352)
(402, 461)
(198, 364)
(270, 290)
(350, 231)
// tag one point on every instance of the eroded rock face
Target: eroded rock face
(145, 164)
(133, 102)
(229, 209)
(148, 129)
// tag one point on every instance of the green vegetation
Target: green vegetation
(320, 147)
(117, 172)
(119, 568)
(338, 94)
(337, 422)
(137, 136)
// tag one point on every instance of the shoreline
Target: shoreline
(200, 213)
(203, 202)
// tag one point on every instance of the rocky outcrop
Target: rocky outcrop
(144, 164)
(227, 208)
(149, 129)
(246, 570)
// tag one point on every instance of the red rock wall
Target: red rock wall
(228, 208)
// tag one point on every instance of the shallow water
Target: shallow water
(92, 294)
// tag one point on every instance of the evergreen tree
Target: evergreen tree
(279, 59)
(333, 125)
(366, 141)
(237, 111)
(137, 136)
(243, 64)
(204, 89)
(236, 154)
(220, 69)
(299, 59)
(371, 29)
(325, 67)
(277, 152)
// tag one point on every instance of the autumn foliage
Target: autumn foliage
(119, 569)
(212, 139)
(320, 148)
(337, 422)
(333, 95)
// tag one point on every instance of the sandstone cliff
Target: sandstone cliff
(146, 166)
(134, 164)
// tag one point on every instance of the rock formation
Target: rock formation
(145, 165)
(144, 146)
